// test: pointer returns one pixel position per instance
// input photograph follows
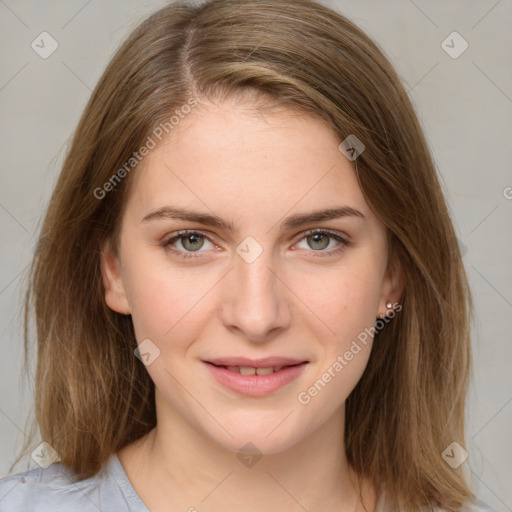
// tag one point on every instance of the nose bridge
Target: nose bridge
(252, 268)
(256, 279)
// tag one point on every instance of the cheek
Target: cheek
(166, 299)
(345, 300)
(347, 304)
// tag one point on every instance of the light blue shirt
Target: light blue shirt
(54, 490)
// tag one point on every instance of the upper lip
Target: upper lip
(265, 362)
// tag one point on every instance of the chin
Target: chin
(254, 439)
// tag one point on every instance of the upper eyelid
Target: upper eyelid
(184, 232)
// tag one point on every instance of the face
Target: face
(281, 258)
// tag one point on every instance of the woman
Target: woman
(248, 290)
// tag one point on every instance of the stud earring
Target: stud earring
(389, 306)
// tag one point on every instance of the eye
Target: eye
(318, 240)
(190, 241)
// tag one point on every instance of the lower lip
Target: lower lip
(256, 385)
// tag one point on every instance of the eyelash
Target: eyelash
(321, 254)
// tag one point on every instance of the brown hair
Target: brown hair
(93, 396)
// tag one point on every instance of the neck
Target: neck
(176, 467)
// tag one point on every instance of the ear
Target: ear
(115, 292)
(392, 286)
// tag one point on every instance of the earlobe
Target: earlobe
(113, 284)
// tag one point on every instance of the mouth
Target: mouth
(255, 380)
(251, 370)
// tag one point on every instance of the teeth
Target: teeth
(249, 370)
(264, 371)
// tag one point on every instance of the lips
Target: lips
(255, 377)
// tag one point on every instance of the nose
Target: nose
(255, 301)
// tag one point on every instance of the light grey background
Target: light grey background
(465, 106)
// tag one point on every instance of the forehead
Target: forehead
(231, 157)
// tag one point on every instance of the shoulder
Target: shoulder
(477, 506)
(50, 489)
(55, 489)
(383, 505)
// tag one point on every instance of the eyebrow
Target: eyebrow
(294, 221)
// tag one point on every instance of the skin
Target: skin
(253, 170)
